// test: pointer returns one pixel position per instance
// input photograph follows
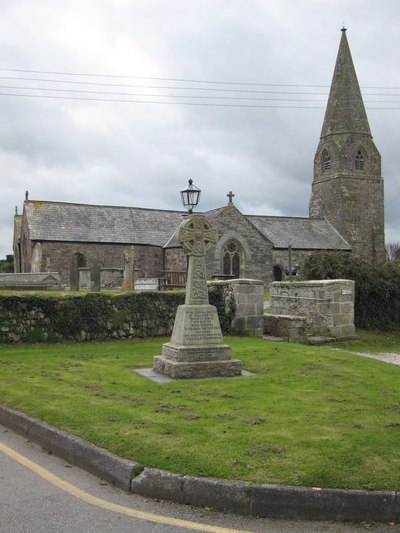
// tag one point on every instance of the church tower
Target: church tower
(348, 187)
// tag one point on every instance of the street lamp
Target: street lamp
(190, 196)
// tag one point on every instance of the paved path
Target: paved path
(40, 493)
(392, 358)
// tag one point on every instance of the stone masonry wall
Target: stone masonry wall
(256, 259)
(175, 259)
(56, 255)
(355, 208)
(93, 316)
(249, 302)
(319, 308)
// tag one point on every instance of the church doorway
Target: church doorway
(278, 274)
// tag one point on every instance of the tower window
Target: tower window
(359, 161)
(326, 161)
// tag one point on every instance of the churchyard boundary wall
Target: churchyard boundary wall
(97, 316)
(301, 310)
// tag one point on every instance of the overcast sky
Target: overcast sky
(256, 74)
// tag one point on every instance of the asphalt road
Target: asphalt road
(40, 493)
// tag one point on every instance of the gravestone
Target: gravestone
(96, 273)
(74, 272)
(129, 258)
(36, 259)
(196, 349)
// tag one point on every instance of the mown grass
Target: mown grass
(310, 416)
(373, 342)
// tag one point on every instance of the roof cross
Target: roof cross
(230, 195)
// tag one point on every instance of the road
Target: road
(40, 493)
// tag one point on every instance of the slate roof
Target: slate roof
(211, 215)
(301, 233)
(60, 221)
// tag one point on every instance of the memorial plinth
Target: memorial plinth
(197, 348)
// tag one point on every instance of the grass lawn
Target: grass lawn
(310, 416)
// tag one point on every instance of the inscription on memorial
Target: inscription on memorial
(200, 326)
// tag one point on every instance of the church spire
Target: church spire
(345, 112)
(347, 188)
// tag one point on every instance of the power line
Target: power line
(247, 98)
(184, 80)
(155, 86)
(208, 104)
(162, 95)
(158, 102)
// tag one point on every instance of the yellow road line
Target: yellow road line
(104, 504)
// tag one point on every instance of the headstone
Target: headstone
(196, 349)
(31, 281)
(129, 258)
(36, 262)
(96, 277)
(74, 272)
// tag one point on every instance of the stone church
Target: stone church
(346, 212)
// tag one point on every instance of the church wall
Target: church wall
(281, 259)
(56, 257)
(175, 259)
(256, 261)
(26, 246)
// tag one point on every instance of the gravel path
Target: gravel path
(391, 358)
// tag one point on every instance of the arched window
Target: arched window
(231, 259)
(359, 161)
(81, 261)
(326, 161)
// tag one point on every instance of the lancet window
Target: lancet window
(359, 161)
(231, 259)
(326, 161)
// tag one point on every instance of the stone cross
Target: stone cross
(74, 272)
(230, 195)
(196, 236)
(196, 349)
(96, 277)
(129, 258)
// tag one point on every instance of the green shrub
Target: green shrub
(222, 297)
(377, 286)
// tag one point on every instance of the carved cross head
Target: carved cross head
(196, 235)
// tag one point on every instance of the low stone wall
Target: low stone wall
(92, 316)
(248, 295)
(95, 316)
(302, 309)
(40, 281)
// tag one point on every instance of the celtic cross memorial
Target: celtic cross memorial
(196, 349)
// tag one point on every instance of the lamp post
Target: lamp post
(196, 235)
(190, 197)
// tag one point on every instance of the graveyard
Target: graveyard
(309, 416)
